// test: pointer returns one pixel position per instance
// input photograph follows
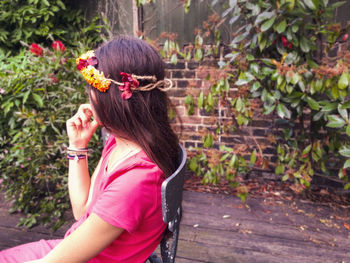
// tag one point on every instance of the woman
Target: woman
(118, 208)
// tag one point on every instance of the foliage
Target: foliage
(40, 90)
(285, 46)
(288, 59)
(35, 20)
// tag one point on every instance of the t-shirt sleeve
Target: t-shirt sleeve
(125, 201)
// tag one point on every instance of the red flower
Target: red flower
(36, 49)
(290, 45)
(82, 64)
(58, 45)
(129, 83)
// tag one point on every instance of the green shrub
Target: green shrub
(35, 20)
(38, 93)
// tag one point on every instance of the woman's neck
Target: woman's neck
(125, 145)
(123, 150)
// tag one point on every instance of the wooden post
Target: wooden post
(135, 18)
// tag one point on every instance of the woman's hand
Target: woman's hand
(81, 127)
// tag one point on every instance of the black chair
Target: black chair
(172, 189)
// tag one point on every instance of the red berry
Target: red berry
(284, 41)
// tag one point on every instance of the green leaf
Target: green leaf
(250, 57)
(285, 177)
(347, 186)
(312, 63)
(281, 26)
(304, 45)
(45, 2)
(306, 150)
(263, 16)
(201, 100)
(334, 121)
(343, 113)
(279, 169)
(337, 4)
(348, 130)
(267, 25)
(210, 99)
(234, 161)
(25, 96)
(346, 164)
(344, 151)
(254, 67)
(343, 81)
(345, 105)
(310, 4)
(253, 157)
(193, 164)
(329, 106)
(224, 157)
(256, 85)
(295, 28)
(312, 103)
(199, 54)
(173, 59)
(282, 111)
(208, 141)
(239, 105)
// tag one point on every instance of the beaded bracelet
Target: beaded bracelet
(76, 157)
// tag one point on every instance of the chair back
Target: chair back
(172, 189)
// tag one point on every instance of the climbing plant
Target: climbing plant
(289, 60)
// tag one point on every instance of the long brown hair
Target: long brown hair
(143, 118)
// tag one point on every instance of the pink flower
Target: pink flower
(2, 91)
(36, 49)
(58, 46)
(21, 165)
(29, 159)
(1, 180)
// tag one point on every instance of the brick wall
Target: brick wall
(187, 80)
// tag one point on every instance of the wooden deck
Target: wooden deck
(218, 228)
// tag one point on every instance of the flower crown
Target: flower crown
(86, 65)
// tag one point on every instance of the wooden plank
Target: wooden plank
(282, 213)
(272, 236)
(221, 246)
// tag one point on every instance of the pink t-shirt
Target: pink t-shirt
(129, 197)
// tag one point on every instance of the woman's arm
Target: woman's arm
(86, 242)
(80, 128)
